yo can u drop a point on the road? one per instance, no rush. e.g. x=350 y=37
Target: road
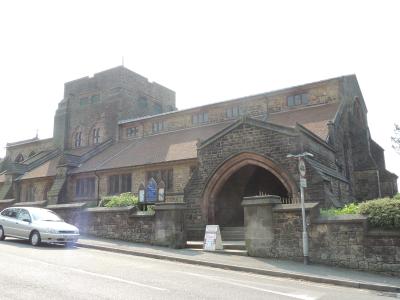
x=55 y=272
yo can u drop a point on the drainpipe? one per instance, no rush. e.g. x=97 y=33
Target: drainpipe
x=98 y=187
x=379 y=184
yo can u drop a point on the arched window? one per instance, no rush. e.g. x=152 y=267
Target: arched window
x=19 y=158
x=78 y=139
x=95 y=136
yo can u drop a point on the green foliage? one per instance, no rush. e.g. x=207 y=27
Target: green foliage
x=122 y=200
x=384 y=213
x=348 y=209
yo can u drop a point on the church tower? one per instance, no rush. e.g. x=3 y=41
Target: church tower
x=92 y=106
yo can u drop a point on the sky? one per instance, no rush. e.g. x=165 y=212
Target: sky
x=206 y=51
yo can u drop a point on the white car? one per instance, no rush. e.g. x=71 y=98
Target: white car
x=37 y=225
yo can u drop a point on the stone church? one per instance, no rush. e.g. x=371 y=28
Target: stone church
x=115 y=132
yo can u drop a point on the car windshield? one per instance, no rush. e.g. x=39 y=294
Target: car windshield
x=45 y=215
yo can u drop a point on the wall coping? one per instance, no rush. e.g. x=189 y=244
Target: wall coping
x=170 y=206
x=342 y=219
x=261 y=200
x=31 y=204
x=109 y=209
x=7 y=201
x=294 y=207
x=142 y=214
x=383 y=232
x=67 y=205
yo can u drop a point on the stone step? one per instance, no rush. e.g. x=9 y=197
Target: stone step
x=232 y=233
x=228 y=245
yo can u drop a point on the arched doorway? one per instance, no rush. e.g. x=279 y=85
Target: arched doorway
x=246 y=174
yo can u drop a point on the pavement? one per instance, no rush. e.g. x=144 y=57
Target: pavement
x=231 y=261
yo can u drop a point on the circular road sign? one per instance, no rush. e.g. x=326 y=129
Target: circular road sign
x=302 y=167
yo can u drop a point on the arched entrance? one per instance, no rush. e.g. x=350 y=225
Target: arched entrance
x=246 y=174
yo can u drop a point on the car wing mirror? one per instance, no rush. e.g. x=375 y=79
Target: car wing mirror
x=26 y=220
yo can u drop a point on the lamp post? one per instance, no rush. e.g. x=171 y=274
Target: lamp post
x=303 y=184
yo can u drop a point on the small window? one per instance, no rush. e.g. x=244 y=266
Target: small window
x=19 y=158
x=290 y=100
x=96 y=136
x=299 y=99
x=132 y=132
x=84 y=101
x=200 y=118
x=142 y=101
x=304 y=99
x=158 y=126
x=78 y=139
x=157 y=108
x=94 y=99
x=232 y=112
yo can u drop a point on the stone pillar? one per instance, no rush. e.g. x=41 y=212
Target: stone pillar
x=169 y=228
x=259 y=235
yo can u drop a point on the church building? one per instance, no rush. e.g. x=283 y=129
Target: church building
x=117 y=132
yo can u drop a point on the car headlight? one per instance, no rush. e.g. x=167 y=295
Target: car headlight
x=51 y=230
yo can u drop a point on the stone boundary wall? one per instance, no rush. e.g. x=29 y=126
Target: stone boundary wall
x=123 y=223
x=342 y=241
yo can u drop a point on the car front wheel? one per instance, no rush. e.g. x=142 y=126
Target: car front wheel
x=35 y=239
x=2 y=236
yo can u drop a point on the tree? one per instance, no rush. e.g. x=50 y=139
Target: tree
x=396 y=138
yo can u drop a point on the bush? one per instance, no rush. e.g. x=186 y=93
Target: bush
x=384 y=213
x=348 y=209
x=125 y=199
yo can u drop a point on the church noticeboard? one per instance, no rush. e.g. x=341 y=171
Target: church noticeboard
x=212 y=238
x=151 y=191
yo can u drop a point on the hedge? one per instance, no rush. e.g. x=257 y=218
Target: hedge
x=382 y=213
x=122 y=200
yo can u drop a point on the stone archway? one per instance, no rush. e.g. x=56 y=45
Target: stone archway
x=245 y=163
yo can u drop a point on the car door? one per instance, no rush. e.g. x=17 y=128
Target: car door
x=23 y=224
x=9 y=221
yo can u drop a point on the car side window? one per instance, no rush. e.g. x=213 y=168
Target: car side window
x=5 y=212
x=13 y=213
x=24 y=215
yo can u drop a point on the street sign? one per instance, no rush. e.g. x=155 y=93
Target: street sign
x=302 y=167
x=303 y=182
x=212 y=238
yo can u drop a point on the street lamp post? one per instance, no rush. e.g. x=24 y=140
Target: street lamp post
x=303 y=184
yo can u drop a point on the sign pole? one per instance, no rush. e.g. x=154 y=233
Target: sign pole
x=303 y=184
x=303 y=215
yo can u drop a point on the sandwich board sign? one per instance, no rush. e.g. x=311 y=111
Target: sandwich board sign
x=212 y=238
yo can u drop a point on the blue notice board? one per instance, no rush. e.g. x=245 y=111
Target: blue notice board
x=151 y=191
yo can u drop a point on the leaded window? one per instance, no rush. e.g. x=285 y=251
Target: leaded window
x=200 y=118
x=166 y=175
x=96 y=135
x=85 y=187
x=118 y=184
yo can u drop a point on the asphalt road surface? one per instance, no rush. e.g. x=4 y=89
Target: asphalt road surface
x=55 y=272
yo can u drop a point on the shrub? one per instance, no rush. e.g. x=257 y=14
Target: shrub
x=122 y=200
x=384 y=213
x=348 y=209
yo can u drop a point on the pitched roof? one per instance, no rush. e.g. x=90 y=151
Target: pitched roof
x=170 y=146
x=314 y=118
x=45 y=170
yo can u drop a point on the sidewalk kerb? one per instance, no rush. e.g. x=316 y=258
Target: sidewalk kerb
x=339 y=282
